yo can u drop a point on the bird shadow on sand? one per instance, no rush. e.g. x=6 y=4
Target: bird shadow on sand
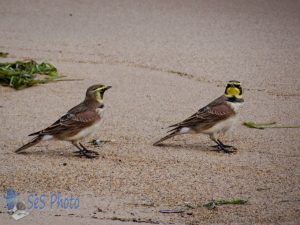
x=198 y=147
x=66 y=153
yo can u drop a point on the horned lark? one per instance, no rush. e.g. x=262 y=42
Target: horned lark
x=79 y=122
x=215 y=118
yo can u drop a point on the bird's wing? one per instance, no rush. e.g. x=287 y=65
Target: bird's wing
x=206 y=116
x=76 y=118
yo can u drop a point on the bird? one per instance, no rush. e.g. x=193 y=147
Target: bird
x=213 y=119
x=79 y=122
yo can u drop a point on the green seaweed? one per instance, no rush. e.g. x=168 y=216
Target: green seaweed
x=262 y=126
x=23 y=74
x=3 y=54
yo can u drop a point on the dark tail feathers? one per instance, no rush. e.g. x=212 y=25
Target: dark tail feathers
x=34 y=141
x=165 y=138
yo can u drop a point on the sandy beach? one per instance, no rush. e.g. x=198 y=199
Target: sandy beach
x=164 y=60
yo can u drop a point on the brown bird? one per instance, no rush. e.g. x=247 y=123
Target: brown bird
x=215 y=118
x=79 y=122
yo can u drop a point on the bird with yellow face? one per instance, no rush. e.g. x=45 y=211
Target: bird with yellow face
x=215 y=118
x=78 y=123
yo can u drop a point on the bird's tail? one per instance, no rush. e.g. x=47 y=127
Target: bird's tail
x=174 y=133
x=34 y=141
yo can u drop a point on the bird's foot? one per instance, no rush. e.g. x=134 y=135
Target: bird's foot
x=86 y=153
x=229 y=146
x=229 y=150
x=225 y=148
x=89 y=155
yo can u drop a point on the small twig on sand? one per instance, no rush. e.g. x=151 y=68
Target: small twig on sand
x=171 y=211
x=98 y=142
x=214 y=203
x=58 y=80
x=135 y=220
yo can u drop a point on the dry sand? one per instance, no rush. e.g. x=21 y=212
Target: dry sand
x=164 y=59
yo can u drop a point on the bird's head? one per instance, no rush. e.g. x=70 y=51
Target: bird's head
x=234 y=91
x=96 y=92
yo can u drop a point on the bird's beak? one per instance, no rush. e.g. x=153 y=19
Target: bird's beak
x=107 y=87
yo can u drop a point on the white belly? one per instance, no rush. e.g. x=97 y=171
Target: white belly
x=100 y=112
x=89 y=130
x=85 y=132
x=236 y=105
x=222 y=126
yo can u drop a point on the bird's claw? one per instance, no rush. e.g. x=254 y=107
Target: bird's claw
x=86 y=153
x=225 y=148
x=229 y=146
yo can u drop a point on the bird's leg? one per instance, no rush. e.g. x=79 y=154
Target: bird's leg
x=83 y=151
x=226 y=146
x=212 y=137
x=88 y=151
x=220 y=146
x=76 y=145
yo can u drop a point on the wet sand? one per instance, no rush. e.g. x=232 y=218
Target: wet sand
x=165 y=60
